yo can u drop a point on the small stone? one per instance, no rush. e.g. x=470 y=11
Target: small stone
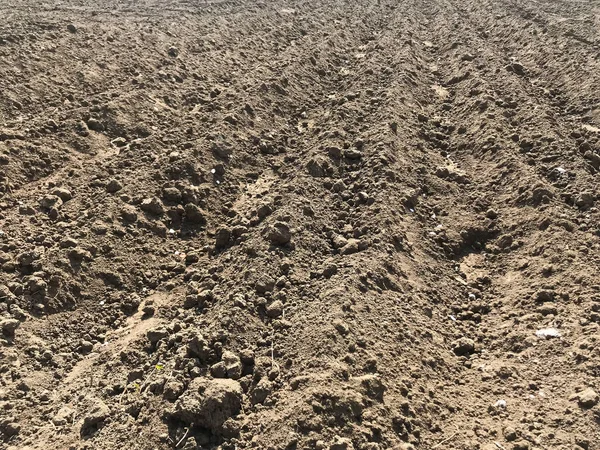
x=218 y=370
x=173 y=389
x=279 y=234
x=510 y=434
x=9 y=326
x=491 y=214
x=98 y=413
x=198 y=346
x=353 y=154
x=209 y=403
x=341 y=443
x=548 y=308
x=463 y=346
x=351 y=247
x=275 y=309
x=153 y=206
x=62 y=193
x=339 y=241
x=129 y=214
x=51 y=201
x=585 y=200
x=71 y=28
x=545 y=296
x=341 y=327
x=516 y=67
x=85 y=347
x=63 y=416
x=95 y=125
x=119 y=142
x=68 y=242
x=231 y=428
x=329 y=270
x=521 y=445
x=78 y=255
x=172 y=194
x=27 y=258
x=26 y=210
x=113 y=186
x=157 y=334
x=222 y=237
x=334 y=152
x=263 y=211
x=587 y=398
x=233 y=365
x=173 y=52
x=194 y=214
x=339 y=186
x=261 y=391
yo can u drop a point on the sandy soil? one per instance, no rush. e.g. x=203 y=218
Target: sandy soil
x=338 y=225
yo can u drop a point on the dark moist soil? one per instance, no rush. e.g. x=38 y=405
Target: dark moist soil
x=281 y=225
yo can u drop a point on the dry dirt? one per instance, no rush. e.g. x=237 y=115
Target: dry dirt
x=364 y=224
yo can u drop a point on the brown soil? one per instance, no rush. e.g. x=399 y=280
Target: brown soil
x=300 y=225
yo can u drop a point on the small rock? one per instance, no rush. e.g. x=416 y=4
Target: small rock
x=27 y=258
x=50 y=201
x=548 y=308
x=585 y=200
x=548 y=333
x=261 y=391
x=218 y=370
x=78 y=255
x=510 y=434
x=71 y=28
x=98 y=413
x=153 y=206
x=263 y=211
x=353 y=154
x=157 y=334
x=173 y=389
x=113 y=186
x=64 y=194
x=351 y=247
x=119 y=142
x=491 y=214
x=9 y=326
x=194 y=214
x=26 y=210
x=129 y=214
x=85 y=347
x=279 y=234
x=275 y=309
x=233 y=364
x=64 y=416
x=341 y=327
x=516 y=67
x=95 y=125
x=209 y=403
x=339 y=186
x=172 y=194
x=222 y=237
x=339 y=241
x=341 y=443
x=521 y=445
x=463 y=346
x=587 y=398
x=329 y=270
x=68 y=242
x=173 y=52
x=198 y=346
